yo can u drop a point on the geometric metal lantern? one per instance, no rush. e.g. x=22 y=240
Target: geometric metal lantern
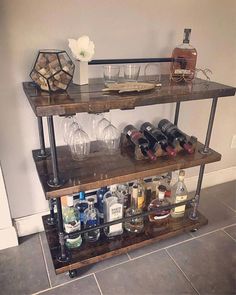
x=53 y=70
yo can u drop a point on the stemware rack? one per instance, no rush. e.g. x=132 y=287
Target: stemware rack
x=60 y=175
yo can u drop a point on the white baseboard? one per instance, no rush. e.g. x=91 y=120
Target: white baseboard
x=8 y=238
x=33 y=223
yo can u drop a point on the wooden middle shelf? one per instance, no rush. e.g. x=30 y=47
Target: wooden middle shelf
x=102 y=169
x=89 y=253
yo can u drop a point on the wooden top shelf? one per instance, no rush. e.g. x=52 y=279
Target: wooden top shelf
x=101 y=169
x=90 y=98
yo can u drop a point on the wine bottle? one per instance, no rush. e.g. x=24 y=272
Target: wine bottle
x=156 y=137
x=174 y=134
x=138 y=139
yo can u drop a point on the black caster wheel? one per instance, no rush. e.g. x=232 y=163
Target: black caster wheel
x=194 y=230
x=73 y=273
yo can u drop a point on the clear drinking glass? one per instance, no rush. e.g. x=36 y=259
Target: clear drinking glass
x=79 y=144
x=111 y=138
x=131 y=72
x=111 y=74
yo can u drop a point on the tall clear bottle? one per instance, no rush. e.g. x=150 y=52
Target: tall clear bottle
x=179 y=193
x=135 y=224
x=113 y=210
x=71 y=220
x=185 y=58
x=91 y=219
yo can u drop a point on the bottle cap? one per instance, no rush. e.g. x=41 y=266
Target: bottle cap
x=82 y=196
x=90 y=201
x=70 y=201
x=162 y=188
x=181 y=173
x=113 y=188
x=187 y=33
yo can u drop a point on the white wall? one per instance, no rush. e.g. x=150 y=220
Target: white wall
x=119 y=29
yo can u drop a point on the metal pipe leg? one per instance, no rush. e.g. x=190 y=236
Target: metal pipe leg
x=51 y=220
x=42 y=153
x=55 y=181
x=177 y=113
x=193 y=213
x=63 y=255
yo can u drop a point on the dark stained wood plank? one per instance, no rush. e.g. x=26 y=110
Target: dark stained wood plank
x=90 y=98
x=104 y=248
x=102 y=169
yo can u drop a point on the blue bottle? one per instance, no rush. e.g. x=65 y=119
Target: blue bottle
x=82 y=205
x=100 y=198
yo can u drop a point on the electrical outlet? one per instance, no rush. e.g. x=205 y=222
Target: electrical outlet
x=233 y=143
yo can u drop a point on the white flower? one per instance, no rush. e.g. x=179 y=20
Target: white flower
x=82 y=49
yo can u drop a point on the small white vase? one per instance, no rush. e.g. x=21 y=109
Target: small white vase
x=81 y=73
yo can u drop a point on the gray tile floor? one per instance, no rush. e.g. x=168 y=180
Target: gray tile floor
x=194 y=263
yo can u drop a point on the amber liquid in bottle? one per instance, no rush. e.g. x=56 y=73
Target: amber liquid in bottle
x=185 y=58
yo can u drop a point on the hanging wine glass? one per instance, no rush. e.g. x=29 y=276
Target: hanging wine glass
x=111 y=138
x=66 y=122
x=79 y=144
x=95 y=119
x=72 y=128
x=102 y=124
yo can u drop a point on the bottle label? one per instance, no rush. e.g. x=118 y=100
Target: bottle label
x=72 y=226
x=182 y=72
x=141 y=200
x=180 y=209
x=91 y=223
x=115 y=212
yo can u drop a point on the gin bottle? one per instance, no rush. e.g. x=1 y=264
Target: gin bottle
x=71 y=221
x=91 y=219
x=113 y=210
x=179 y=194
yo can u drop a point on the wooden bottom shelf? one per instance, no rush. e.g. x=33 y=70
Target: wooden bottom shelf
x=104 y=248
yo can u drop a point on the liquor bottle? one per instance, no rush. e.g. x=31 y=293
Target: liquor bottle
x=81 y=205
x=135 y=224
x=184 y=58
x=123 y=189
x=156 y=138
x=71 y=220
x=100 y=199
x=113 y=210
x=179 y=194
x=91 y=219
x=138 y=139
x=161 y=218
x=174 y=134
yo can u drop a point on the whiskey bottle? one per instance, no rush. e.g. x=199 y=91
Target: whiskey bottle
x=71 y=220
x=174 y=135
x=135 y=224
x=138 y=139
x=179 y=194
x=184 y=58
x=113 y=210
x=160 y=217
x=157 y=138
x=91 y=219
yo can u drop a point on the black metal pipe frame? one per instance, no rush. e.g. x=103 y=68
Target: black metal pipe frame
x=129 y=60
x=55 y=181
x=51 y=220
x=177 y=107
x=63 y=255
x=42 y=154
x=193 y=214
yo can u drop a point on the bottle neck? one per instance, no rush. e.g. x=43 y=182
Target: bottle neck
x=187 y=33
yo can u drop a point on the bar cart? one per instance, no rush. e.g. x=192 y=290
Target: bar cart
x=60 y=175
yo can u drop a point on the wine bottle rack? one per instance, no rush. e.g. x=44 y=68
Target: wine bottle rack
x=60 y=175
